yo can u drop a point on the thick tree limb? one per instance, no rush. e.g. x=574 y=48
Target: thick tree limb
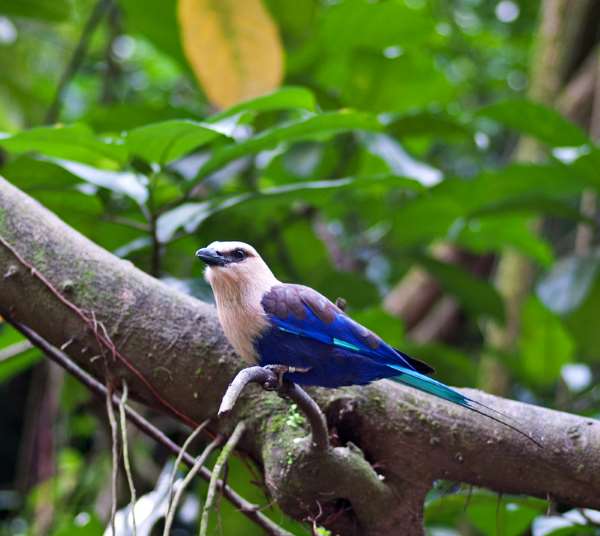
x=176 y=344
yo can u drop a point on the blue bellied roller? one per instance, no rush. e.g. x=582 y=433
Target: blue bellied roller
x=307 y=337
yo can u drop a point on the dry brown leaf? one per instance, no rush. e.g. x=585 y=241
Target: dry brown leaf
x=233 y=47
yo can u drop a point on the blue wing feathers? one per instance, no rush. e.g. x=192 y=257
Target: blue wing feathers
x=342 y=332
x=307 y=331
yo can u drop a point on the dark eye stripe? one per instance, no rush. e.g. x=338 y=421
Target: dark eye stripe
x=236 y=255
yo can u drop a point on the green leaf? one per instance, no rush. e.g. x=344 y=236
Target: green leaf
x=432 y=214
x=533 y=119
x=125 y=183
x=544 y=346
x=14 y=356
x=586 y=167
x=426 y=123
x=564 y=288
x=74 y=142
x=374 y=25
x=285 y=98
x=494 y=233
x=504 y=517
x=190 y=215
x=307 y=128
x=35 y=173
x=54 y=11
x=18 y=364
x=451 y=511
x=156 y=20
x=475 y=294
x=169 y=140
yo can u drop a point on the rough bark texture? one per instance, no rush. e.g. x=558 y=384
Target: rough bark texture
x=175 y=341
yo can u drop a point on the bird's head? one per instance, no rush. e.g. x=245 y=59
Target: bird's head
x=234 y=266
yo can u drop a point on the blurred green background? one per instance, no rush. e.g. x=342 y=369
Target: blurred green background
x=432 y=162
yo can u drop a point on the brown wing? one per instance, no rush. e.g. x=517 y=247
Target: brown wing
x=289 y=299
x=288 y=302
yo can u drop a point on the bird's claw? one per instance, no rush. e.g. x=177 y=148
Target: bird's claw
x=280 y=370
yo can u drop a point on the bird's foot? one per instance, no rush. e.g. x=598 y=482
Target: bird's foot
x=279 y=371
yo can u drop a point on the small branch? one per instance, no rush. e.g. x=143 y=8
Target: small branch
x=110 y=410
x=221 y=460
x=77 y=58
x=182 y=451
x=188 y=478
x=250 y=510
x=267 y=378
x=269 y=381
x=14 y=350
x=126 y=463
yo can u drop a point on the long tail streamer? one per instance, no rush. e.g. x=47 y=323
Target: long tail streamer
x=436 y=388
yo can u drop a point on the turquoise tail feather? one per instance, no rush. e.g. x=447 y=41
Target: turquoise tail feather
x=436 y=388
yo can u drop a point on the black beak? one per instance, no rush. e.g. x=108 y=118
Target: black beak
x=210 y=257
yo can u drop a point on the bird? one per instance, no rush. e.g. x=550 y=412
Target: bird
x=306 y=338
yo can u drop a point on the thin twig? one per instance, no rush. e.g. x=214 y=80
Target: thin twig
x=250 y=510
x=14 y=350
x=188 y=478
x=110 y=410
x=77 y=58
x=212 y=486
x=268 y=379
x=127 y=465
x=265 y=377
x=183 y=450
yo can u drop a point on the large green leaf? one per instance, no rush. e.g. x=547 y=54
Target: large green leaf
x=374 y=25
x=54 y=11
x=367 y=80
x=189 y=216
x=476 y=295
x=502 y=516
x=310 y=127
x=513 y=513
x=156 y=20
x=18 y=364
x=285 y=98
x=74 y=142
x=536 y=120
x=35 y=173
x=544 y=346
x=121 y=182
x=496 y=232
x=427 y=123
x=433 y=214
x=169 y=140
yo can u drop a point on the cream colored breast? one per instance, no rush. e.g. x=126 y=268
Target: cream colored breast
x=242 y=325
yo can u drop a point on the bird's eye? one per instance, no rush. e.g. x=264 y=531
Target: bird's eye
x=238 y=254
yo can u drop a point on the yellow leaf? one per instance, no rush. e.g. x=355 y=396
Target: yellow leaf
x=233 y=47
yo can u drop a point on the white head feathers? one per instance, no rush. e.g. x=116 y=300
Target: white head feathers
x=239 y=279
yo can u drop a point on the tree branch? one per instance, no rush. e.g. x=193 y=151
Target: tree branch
x=268 y=379
x=176 y=344
x=60 y=358
x=77 y=58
